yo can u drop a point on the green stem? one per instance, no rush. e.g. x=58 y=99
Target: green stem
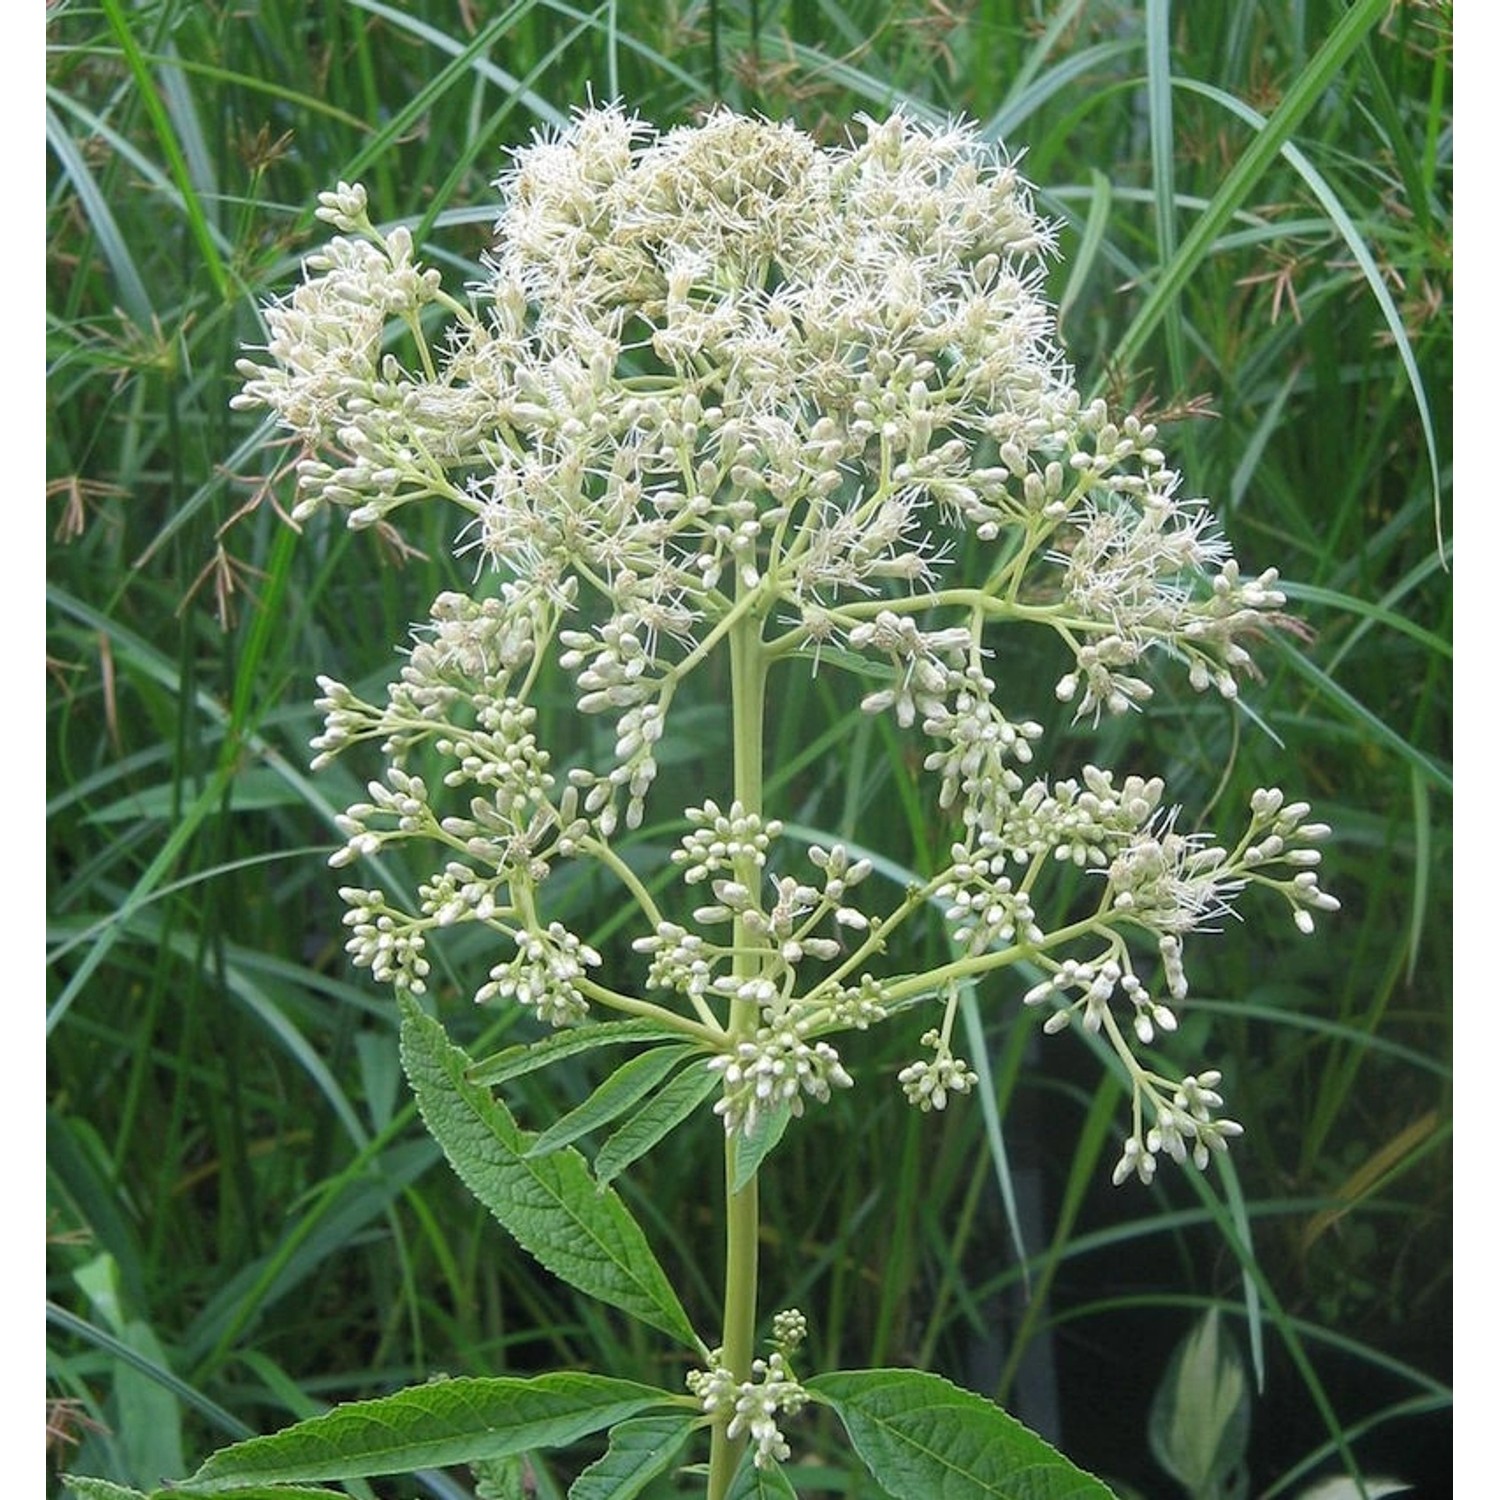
x=742 y=1209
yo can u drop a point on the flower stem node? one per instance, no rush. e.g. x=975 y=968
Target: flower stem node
x=752 y=1405
x=776 y=1067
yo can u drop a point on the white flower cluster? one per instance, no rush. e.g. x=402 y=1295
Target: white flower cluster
x=385 y=941
x=772 y=1391
x=1184 y=1123
x=928 y=1084
x=1279 y=841
x=722 y=841
x=1165 y=885
x=544 y=974
x=727 y=359
x=776 y=1066
x=778 y=920
x=726 y=384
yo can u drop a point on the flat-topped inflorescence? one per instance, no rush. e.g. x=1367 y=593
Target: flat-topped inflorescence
x=726 y=389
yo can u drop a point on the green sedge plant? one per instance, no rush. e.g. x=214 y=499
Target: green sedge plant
x=726 y=406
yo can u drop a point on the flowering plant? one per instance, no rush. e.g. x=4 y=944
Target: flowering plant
x=728 y=396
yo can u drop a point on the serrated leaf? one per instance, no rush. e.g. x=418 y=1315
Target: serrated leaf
x=426 y=1427
x=499 y=1478
x=638 y=1451
x=918 y=1434
x=516 y=1062
x=1199 y=1427
x=750 y=1483
x=184 y=1491
x=551 y=1206
x=262 y=1492
x=85 y=1487
x=758 y=1143
x=627 y=1085
x=655 y=1120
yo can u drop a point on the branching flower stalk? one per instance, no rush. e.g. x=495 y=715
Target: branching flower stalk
x=724 y=391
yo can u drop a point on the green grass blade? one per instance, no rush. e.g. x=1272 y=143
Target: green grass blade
x=1370 y=723
x=1025 y=102
x=1354 y=241
x=1299 y=99
x=402 y=20
x=1159 y=80
x=133 y=294
x=1089 y=245
x=171 y=148
x=90 y=1333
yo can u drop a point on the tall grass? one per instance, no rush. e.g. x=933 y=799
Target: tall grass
x=244 y=1220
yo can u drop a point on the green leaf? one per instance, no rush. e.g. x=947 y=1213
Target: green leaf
x=1304 y=93
x=259 y=1492
x=551 y=1205
x=1341 y=1487
x=638 y=1451
x=500 y=1478
x=263 y=1492
x=428 y=1426
x=1199 y=1426
x=146 y=1409
x=751 y=1483
x=514 y=1062
x=758 y=1143
x=99 y=1489
x=920 y=1435
x=656 y=1119
x=627 y=1085
x=103 y=1489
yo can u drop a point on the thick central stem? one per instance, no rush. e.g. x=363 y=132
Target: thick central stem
x=747 y=665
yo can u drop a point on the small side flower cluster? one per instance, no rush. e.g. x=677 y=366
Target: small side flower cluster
x=724 y=388
x=1183 y=1122
x=784 y=936
x=1164 y=885
x=928 y=1084
x=755 y=1404
x=544 y=974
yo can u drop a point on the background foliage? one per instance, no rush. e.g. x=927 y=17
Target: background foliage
x=245 y=1221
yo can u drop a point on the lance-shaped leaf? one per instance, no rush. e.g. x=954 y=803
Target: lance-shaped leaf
x=428 y=1426
x=759 y=1142
x=85 y=1488
x=657 y=1118
x=550 y=1204
x=751 y=1483
x=102 y=1489
x=638 y=1451
x=515 y=1062
x=1199 y=1427
x=627 y=1085
x=920 y=1435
